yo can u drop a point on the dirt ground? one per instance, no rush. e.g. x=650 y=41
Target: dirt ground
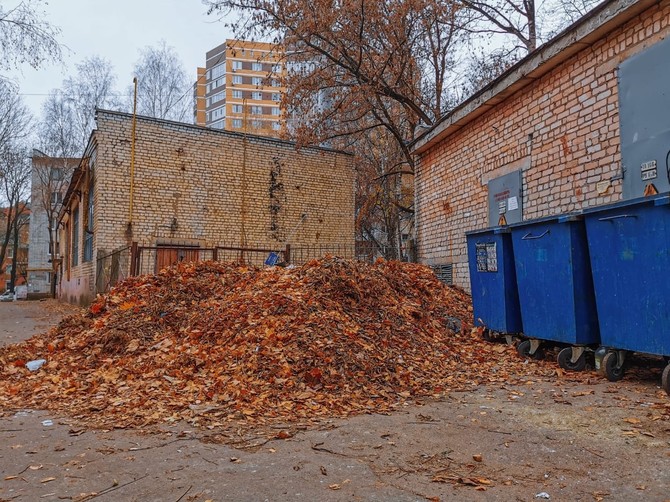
x=547 y=439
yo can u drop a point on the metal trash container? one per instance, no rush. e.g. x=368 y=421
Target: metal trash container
x=629 y=244
x=556 y=295
x=495 y=299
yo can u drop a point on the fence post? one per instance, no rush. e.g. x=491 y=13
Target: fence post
x=215 y=254
x=287 y=254
x=133 y=258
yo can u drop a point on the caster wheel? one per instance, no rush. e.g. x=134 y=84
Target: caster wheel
x=609 y=367
x=524 y=350
x=564 y=360
x=665 y=379
x=486 y=335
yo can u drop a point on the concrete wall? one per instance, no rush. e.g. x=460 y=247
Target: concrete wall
x=208 y=187
x=561 y=131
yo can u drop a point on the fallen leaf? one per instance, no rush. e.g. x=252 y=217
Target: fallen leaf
x=46 y=480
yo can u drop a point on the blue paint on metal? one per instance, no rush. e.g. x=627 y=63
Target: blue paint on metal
x=553 y=274
x=629 y=244
x=495 y=298
x=272 y=259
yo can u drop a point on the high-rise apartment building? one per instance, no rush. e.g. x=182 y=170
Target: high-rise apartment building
x=242 y=88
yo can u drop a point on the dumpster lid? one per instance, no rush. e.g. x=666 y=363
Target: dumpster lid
x=556 y=218
x=489 y=230
x=654 y=200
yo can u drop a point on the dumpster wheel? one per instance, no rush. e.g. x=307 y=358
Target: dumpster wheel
x=564 y=360
x=612 y=371
x=665 y=379
x=524 y=349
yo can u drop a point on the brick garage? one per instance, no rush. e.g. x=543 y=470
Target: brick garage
x=553 y=116
x=198 y=186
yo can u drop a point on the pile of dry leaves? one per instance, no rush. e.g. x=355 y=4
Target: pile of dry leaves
x=213 y=343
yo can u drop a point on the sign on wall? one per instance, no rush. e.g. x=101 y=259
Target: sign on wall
x=505 y=199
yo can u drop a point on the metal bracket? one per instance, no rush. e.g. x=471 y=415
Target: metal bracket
x=577 y=353
x=534 y=343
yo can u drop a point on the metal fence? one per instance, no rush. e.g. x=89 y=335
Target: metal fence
x=138 y=260
x=111 y=269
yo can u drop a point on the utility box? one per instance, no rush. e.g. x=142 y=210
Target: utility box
x=644 y=117
x=505 y=201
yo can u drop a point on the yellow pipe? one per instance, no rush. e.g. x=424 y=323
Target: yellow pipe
x=132 y=159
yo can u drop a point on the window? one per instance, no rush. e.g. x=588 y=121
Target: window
x=219 y=82
x=257 y=66
x=276 y=96
x=257 y=110
x=88 y=231
x=217 y=97
x=56 y=197
x=237 y=108
x=218 y=125
x=56 y=174
x=257 y=124
x=275 y=112
x=276 y=68
x=258 y=96
x=276 y=126
x=237 y=79
x=75 y=237
x=237 y=94
x=209 y=87
x=275 y=82
x=218 y=71
x=237 y=123
x=237 y=65
x=218 y=113
x=256 y=80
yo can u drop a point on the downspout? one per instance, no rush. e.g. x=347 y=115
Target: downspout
x=129 y=229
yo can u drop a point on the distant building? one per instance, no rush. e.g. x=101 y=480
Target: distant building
x=9 y=265
x=49 y=181
x=242 y=88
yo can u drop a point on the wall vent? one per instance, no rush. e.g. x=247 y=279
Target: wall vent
x=445 y=273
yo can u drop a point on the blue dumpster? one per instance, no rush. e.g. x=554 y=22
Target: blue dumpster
x=556 y=294
x=495 y=298
x=629 y=244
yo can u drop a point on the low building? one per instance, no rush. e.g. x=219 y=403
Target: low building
x=195 y=187
x=581 y=121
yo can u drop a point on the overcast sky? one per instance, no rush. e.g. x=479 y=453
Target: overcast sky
x=117 y=30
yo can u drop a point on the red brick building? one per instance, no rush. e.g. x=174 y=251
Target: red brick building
x=21 y=251
x=552 y=121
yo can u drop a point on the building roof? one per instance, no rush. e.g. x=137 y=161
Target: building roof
x=184 y=125
x=606 y=17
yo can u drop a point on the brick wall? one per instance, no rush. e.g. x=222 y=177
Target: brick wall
x=561 y=131
x=200 y=186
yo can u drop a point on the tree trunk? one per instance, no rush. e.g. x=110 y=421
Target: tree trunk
x=15 y=257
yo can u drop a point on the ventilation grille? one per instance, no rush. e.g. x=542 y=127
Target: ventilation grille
x=445 y=273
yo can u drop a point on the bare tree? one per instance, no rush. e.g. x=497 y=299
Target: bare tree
x=164 y=90
x=50 y=180
x=56 y=131
x=15 y=185
x=92 y=87
x=361 y=71
x=25 y=37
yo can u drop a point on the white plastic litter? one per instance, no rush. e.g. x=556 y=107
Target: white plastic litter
x=542 y=495
x=36 y=364
x=47 y=423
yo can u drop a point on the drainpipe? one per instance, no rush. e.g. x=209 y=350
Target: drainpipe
x=129 y=230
